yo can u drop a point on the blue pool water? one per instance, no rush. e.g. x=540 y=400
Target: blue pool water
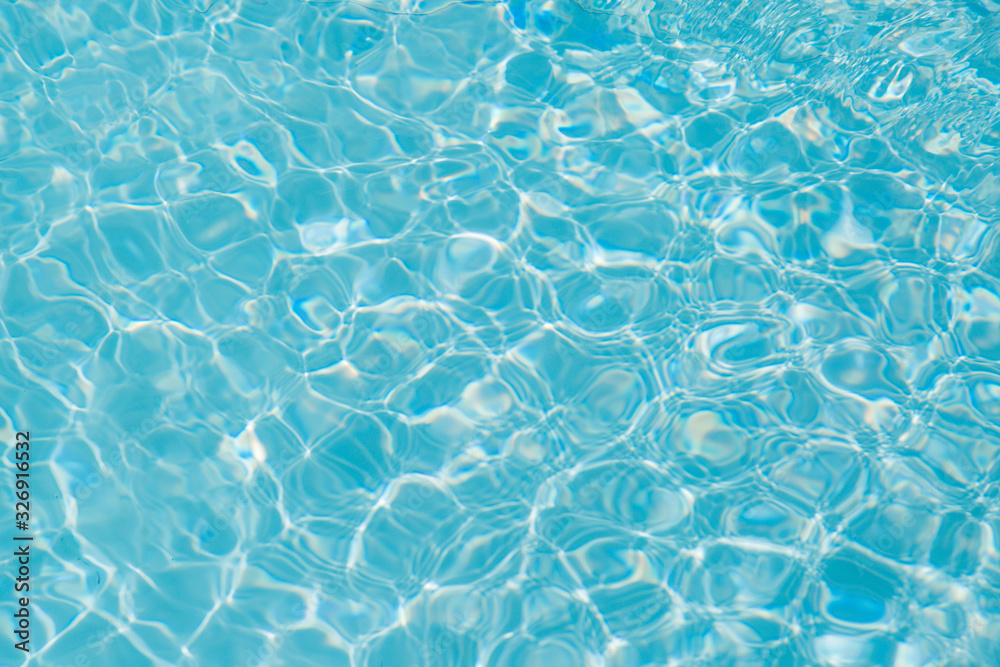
x=517 y=334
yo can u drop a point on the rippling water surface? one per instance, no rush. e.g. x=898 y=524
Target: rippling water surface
x=520 y=334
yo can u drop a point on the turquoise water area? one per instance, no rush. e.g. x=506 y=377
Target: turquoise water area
x=549 y=333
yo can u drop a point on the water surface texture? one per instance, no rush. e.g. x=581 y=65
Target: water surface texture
x=524 y=334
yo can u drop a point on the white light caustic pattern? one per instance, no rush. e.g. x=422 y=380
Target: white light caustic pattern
x=521 y=333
